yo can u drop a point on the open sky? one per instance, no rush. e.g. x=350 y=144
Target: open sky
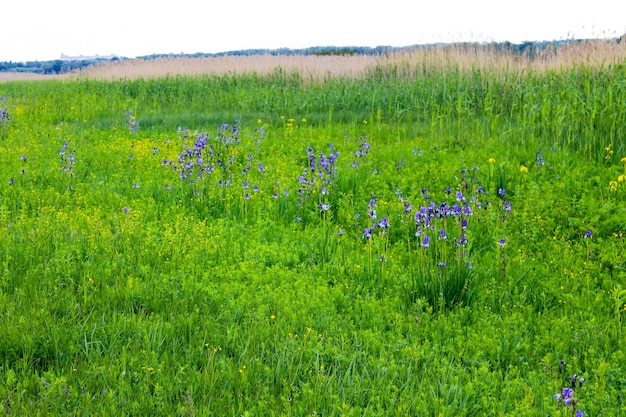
x=45 y=29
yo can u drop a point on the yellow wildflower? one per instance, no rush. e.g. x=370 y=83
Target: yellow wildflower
x=621 y=178
x=523 y=169
x=492 y=161
x=612 y=186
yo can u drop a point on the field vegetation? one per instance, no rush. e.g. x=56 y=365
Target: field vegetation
x=436 y=233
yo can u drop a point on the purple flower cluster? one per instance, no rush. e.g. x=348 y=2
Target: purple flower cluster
x=131 y=121
x=5 y=116
x=198 y=159
x=382 y=225
x=567 y=395
x=258 y=137
x=362 y=151
x=320 y=175
x=435 y=216
x=67 y=159
x=229 y=134
x=539 y=161
x=206 y=156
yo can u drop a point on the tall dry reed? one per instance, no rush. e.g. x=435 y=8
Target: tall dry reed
x=468 y=56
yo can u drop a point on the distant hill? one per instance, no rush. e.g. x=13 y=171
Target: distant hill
x=68 y=64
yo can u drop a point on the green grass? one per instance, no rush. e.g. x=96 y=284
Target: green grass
x=128 y=290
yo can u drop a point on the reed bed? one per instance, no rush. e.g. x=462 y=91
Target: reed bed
x=28 y=76
x=466 y=57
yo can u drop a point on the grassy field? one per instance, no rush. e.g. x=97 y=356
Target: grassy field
x=432 y=234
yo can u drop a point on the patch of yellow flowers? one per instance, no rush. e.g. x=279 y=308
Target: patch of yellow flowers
x=622 y=178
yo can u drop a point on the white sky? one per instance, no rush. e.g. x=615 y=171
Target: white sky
x=45 y=29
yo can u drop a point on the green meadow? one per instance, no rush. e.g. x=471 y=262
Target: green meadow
x=419 y=240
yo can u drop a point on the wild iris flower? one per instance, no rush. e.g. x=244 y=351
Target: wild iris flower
x=324 y=207
x=383 y=224
x=565 y=395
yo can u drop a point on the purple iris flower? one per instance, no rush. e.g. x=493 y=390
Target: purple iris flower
x=324 y=206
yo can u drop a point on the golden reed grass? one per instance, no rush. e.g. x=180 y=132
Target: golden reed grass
x=464 y=57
